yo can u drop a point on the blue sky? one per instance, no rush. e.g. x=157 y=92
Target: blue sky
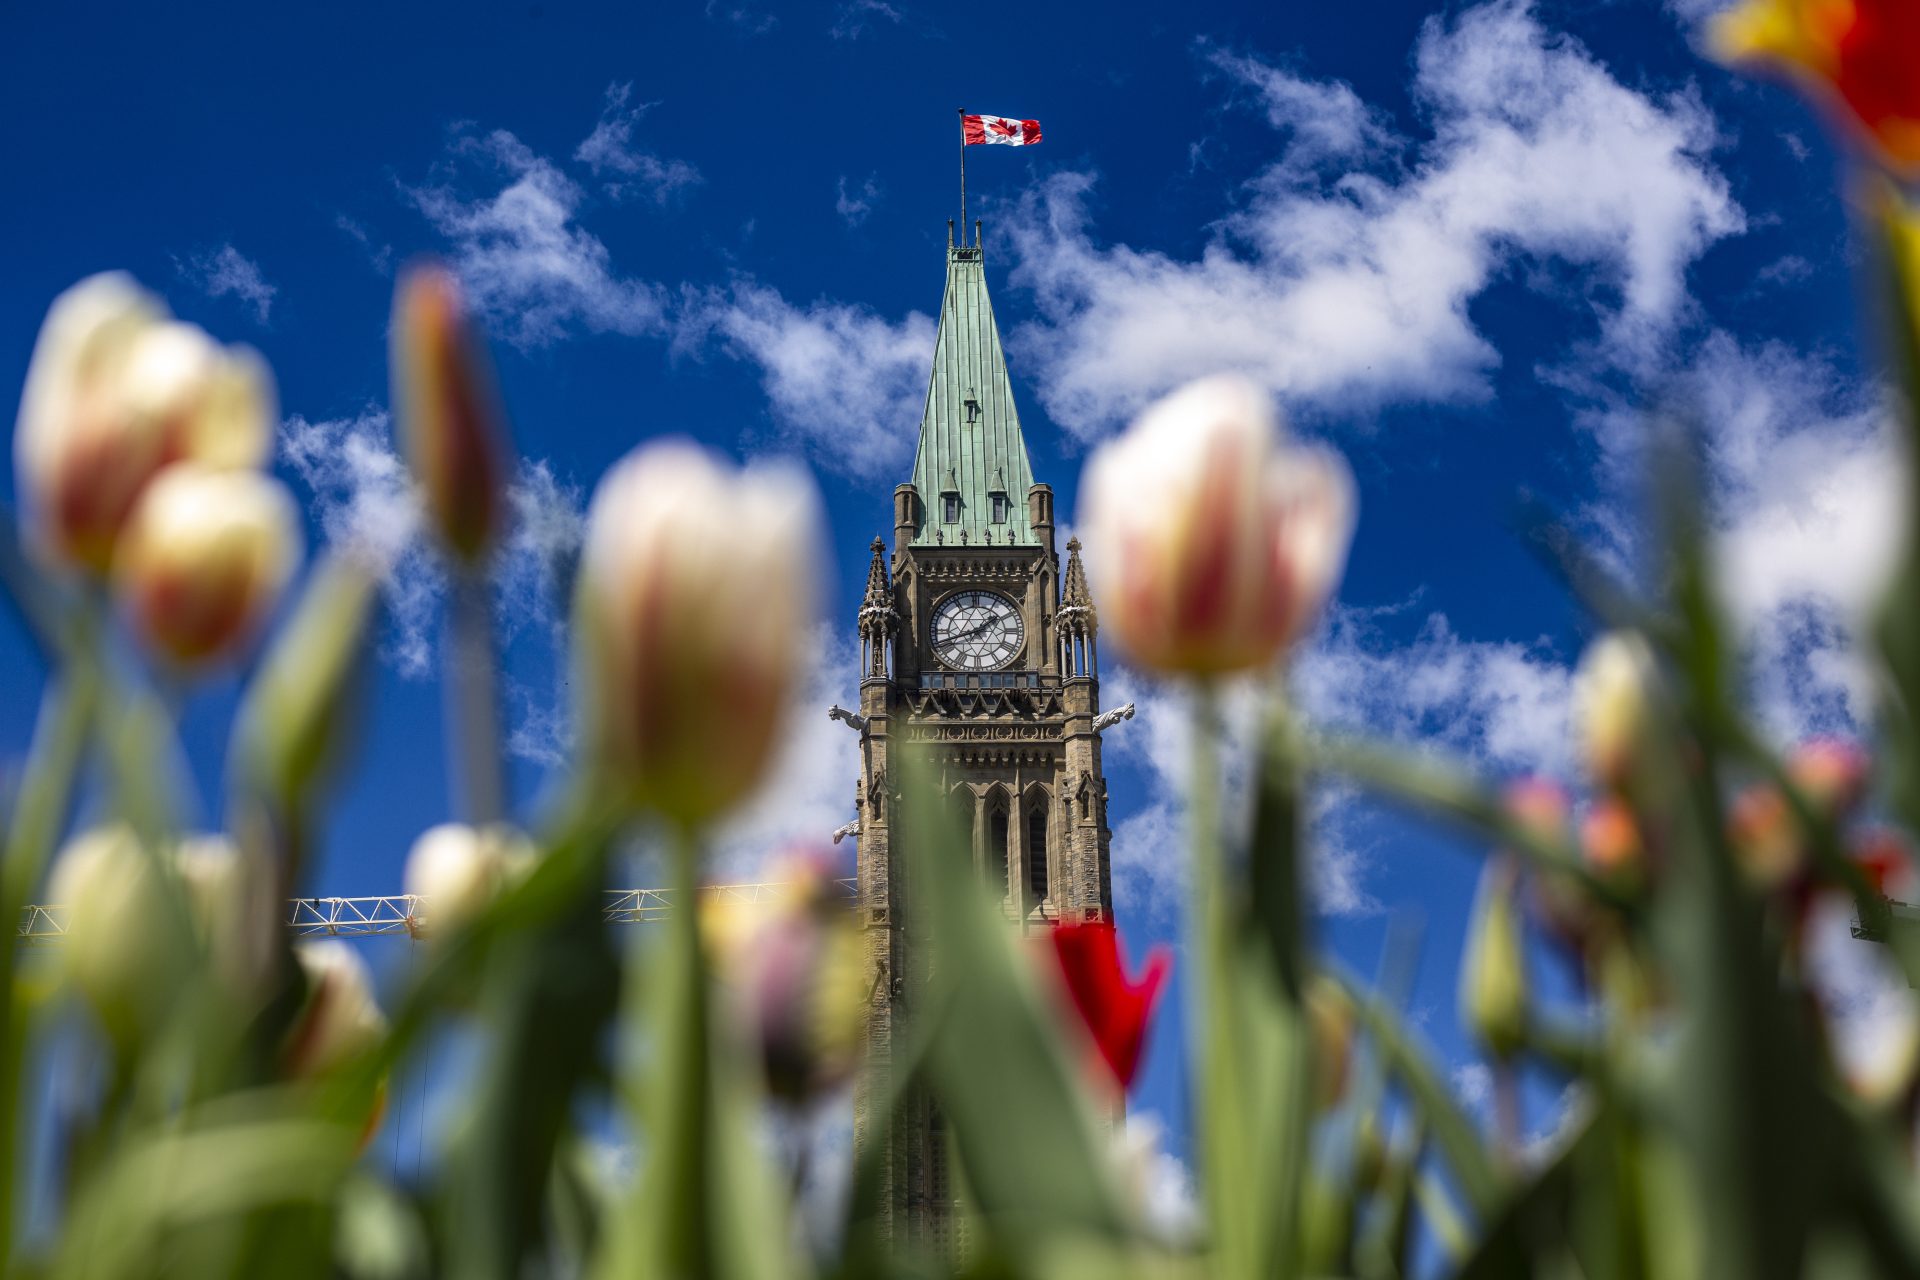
x=1462 y=247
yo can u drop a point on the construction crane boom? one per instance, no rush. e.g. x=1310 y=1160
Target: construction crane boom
x=407 y=913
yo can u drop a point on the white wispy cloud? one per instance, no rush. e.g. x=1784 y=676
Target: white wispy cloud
x=743 y=18
x=363 y=496
x=810 y=788
x=1803 y=480
x=1349 y=286
x=842 y=381
x=226 y=272
x=855 y=17
x=379 y=256
x=1323 y=120
x=1501 y=704
x=529 y=266
x=854 y=206
x=626 y=168
x=1150 y=842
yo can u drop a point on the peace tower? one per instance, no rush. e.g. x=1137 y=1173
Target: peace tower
x=978 y=650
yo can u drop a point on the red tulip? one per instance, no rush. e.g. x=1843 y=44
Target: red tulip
x=1115 y=1009
x=1864 y=53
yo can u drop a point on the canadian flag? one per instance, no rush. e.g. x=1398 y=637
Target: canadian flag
x=999 y=130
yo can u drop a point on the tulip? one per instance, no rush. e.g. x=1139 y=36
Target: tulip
x=1833 y=775
x=1218 y=544
x=693 y=619
x=1115 y=1009
x=1493 y=972
x=1612 y=708
x=1765 y=838
x=447 y=410
x=1886 y=861
x=204 y=559
x=458 y=870
x=795 y=972
x=341 y=1021
x=1862 y=54
x=1610 y=844
x=231 y=897
x=115 y=392
x=1539 y=807
x=116 y=951
x=1330 y=1015
x=1542 y=809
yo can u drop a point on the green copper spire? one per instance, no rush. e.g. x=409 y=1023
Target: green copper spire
x=972 y=462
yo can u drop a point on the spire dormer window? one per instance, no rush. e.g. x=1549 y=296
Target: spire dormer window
x=997 y=497
x=950 y=499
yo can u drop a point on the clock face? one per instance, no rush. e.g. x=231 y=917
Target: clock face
x=977 y=631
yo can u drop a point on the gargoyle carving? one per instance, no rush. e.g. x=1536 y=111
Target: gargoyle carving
x=841 y=833
x=1108 y=718
x=855 y=721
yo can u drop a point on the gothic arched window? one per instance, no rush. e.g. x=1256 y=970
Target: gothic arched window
x=959 y=824
x=1037 y=852
x=997 y=848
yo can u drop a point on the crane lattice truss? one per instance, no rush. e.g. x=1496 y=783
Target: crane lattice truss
x=407 y=913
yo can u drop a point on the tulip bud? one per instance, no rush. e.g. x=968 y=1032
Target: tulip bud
x=1765 y=838
x=114 y=393
x=447 y=409
x=693 y=620
x=1330 y=1016
x=1611 y=705
x=457 y=870
x=1216 y=545
x=795 y=972
x=1115 y=1009
x=341 y=1021
x=1493 y=973
x=1542 y=809
x=1610 y=844
x=1832 y=774
x=1884 y=858
x=1859 y=54
x=116 y=951
x=231 y=896
x=204 y=559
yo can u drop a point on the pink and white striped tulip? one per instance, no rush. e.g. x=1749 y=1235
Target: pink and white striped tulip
x=115 y=392
x=1215 y=544
x=693 y=621
x=203 y=560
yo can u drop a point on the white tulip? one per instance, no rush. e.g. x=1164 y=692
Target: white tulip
x=695 y=577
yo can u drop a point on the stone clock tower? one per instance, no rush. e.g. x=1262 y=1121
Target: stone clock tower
x=977 y=648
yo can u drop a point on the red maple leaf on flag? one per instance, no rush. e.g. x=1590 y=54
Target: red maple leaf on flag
x=1006 y=128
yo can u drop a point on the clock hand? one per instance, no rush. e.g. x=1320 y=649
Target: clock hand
x=970 y=633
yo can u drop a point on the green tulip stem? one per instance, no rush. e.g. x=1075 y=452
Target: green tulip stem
x=53 y=764
x=472 y=700
x=1508 y=1127
x=1225 y=1160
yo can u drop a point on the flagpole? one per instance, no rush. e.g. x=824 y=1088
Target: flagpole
x=963 y=175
